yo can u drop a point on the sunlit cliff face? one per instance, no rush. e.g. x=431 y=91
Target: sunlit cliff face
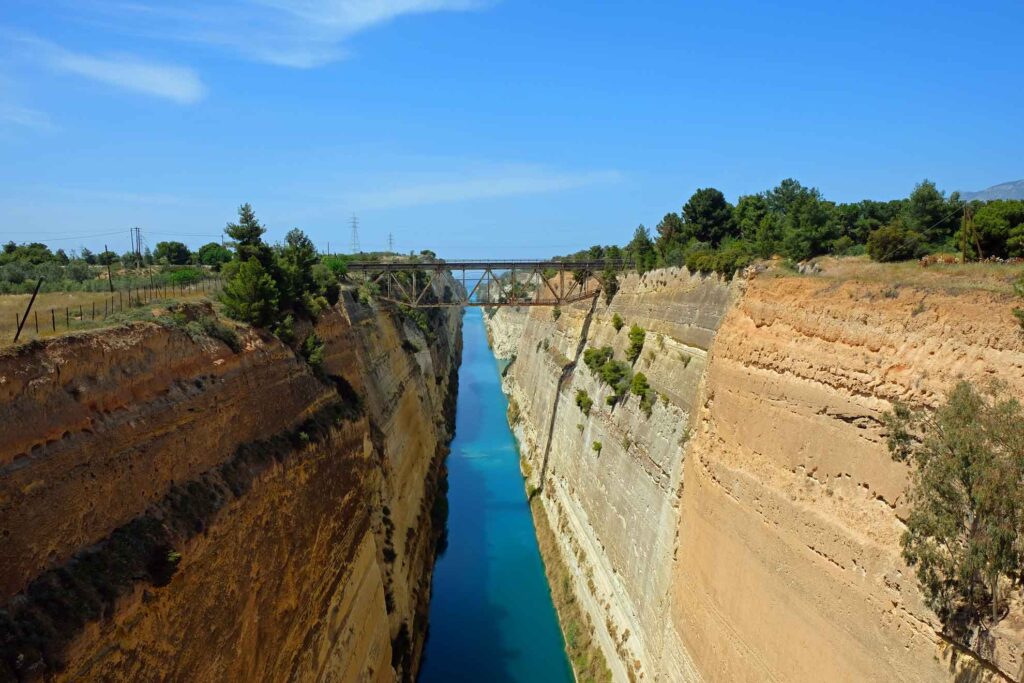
x=757 y=509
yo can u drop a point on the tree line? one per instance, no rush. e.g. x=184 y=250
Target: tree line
x=798 y=223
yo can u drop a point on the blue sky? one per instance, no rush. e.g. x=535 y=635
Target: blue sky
x=507 y=128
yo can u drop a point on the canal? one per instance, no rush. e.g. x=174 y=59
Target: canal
x=491 y=617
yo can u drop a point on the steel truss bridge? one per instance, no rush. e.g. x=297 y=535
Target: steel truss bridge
x=483 y=282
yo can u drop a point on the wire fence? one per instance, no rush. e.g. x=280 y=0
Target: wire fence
x=89 y=310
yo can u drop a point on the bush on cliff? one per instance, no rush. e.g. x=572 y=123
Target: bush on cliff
x=636 y=343
x=965 y=530
x=583 y=401
x=617 y=322
x=641 y=388
x=595 y=358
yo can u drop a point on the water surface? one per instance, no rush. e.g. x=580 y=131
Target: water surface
x=491 y=617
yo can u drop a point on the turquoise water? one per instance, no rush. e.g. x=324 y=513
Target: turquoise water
x=491 y=617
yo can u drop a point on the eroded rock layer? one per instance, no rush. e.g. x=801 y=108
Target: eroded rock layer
x=174 y=509
x=748 y=528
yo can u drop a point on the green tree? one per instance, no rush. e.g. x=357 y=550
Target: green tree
x=88 y=256
x=808 y=227
x=997 y=223
x=750 y=210
x=641 y=250
x=636 y=342
x=927 y=213
x=251 y=295
x=672 y=237
x=175 y=253
x=213 y=254
x=247 y=234
x=709 y=217
x=295 y=261
x=965 y=529
x=894 y=242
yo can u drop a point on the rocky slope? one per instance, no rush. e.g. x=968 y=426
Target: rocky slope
x=173 y=508
x=748 y=529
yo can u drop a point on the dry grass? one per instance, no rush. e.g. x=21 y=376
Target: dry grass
x=73 y=311
x=952 y=278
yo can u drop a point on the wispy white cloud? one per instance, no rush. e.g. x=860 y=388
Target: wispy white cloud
x=16 y=115
x=293 y=33
x=491 y=185
x=175 y=83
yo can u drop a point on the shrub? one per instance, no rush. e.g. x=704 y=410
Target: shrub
x=639 y=385
x=583 y=401
x=641 y=388
x=636 y=343
x=185 y=276
x=617 y=322
x=556 y=313
x=610 y=285
x=285 y=329
x=964 y=533
x=727 y=259
x=894 y=242
x=313 y=352
x=595 y=358
x=596 y=447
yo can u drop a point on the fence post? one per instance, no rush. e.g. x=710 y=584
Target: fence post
x=93 y=310
x=53 y=319
x=37 y=323
x=67 y=318
x=120 y=300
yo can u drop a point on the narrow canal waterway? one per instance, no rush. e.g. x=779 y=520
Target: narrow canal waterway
x=491 y=617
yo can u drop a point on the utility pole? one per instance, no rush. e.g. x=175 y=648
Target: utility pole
x=969 y=235
x=355 y=235
x=110 y=278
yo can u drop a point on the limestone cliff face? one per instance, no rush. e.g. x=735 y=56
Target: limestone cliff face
x=174 y=509
x=749 y=528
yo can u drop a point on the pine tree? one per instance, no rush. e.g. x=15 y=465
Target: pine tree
x=251 y=295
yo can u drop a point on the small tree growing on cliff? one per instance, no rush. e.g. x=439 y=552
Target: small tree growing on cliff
x=636 y=342
x=965 y=530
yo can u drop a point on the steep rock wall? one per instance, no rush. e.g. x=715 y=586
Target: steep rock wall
x=615 y=510
x=174 y=509
x=749 y=528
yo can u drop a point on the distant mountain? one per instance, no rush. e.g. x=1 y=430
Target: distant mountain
x=1011 y=190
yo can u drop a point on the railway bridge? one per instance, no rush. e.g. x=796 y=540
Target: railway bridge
x=484 y=282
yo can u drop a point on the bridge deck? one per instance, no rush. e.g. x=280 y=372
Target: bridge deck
x=485 y=264
x=498 y=282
